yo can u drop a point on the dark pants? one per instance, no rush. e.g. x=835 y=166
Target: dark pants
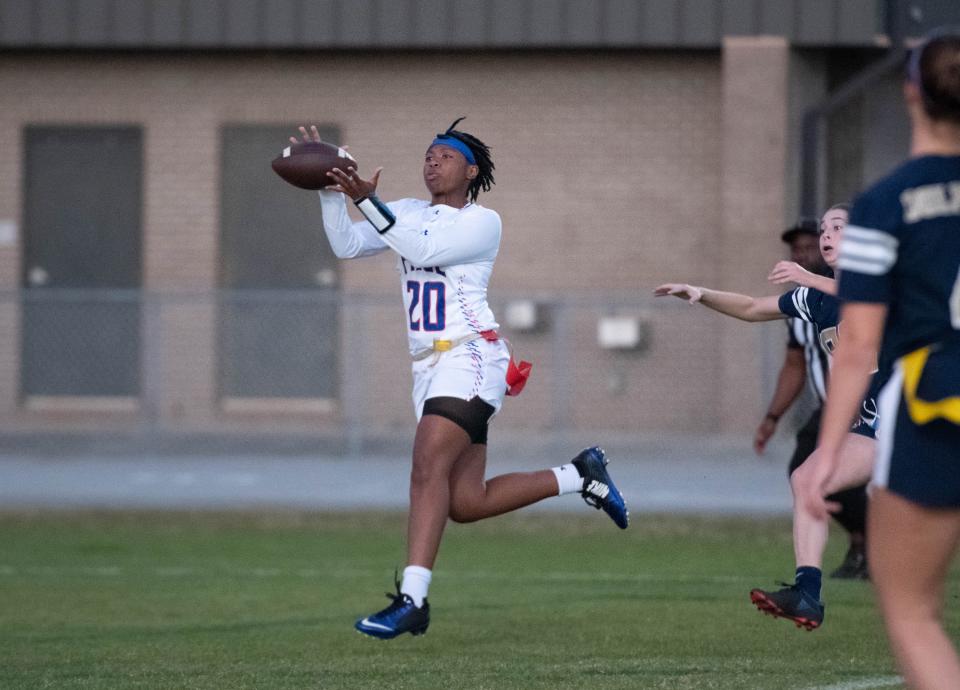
x=853 y=502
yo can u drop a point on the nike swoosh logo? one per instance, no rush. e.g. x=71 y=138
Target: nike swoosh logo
x=370 y=624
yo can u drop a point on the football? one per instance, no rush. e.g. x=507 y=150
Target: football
x=306 y=164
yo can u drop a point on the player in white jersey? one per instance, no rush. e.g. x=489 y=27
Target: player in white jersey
x=446 y=248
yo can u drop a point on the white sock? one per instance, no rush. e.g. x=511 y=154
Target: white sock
x=569 y=480
x=416 y=582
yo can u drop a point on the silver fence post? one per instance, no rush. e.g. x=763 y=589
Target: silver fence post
x=152 y=365
x=354 y=385
x=560 y=363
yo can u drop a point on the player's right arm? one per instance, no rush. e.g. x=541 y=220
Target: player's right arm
x=348 y=240
x=792 y=272
x=733 y=304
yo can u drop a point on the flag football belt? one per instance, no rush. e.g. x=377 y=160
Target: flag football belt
x=925 y=411
x=517 y=373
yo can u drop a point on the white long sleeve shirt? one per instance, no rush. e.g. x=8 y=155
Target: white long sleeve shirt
x=445 y=259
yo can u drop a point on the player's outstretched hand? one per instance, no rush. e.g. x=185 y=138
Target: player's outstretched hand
x=351 y=184
x=691 y=293
x=346 y=181
x=790 y=272
x=313 y=136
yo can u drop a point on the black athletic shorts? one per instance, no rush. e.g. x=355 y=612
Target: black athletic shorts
x=473 y=416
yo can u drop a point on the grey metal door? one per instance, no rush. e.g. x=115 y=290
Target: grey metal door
x=279 y=325
x=81 y=271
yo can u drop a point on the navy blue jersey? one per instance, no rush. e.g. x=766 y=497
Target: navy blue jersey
x=818 y=308
x=823 y=311
x=803 y=336
x=902 y=248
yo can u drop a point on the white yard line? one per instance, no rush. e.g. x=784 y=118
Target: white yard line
x=863 y=684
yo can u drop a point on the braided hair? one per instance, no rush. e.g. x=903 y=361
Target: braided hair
x=481 y=153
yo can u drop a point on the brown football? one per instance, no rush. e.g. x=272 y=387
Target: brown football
x=306 y=164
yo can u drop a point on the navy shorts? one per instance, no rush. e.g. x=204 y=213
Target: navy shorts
x=920 y=462
x=862 y=428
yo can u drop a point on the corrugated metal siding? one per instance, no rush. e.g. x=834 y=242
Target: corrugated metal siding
x=225 y=24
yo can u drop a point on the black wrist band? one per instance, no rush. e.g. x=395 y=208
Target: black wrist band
x=773 y=417
x=375 y=211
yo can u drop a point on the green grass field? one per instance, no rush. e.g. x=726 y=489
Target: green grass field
x=199 y=600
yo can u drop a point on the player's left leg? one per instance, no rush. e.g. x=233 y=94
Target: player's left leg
x=438 y=443
x=853 y=506
x=911 y=548
x=809 y=531
x=800 y=602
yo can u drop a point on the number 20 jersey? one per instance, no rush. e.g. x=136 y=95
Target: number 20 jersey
x=445 y=260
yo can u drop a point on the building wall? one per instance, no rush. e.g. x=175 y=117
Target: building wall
x=499 y=24
x=615 y=172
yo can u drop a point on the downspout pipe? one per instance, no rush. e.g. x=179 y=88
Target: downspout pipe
x=816 y=115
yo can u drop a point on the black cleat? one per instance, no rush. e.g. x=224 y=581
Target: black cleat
x=791 y=603
x=599 y=490
x=854 y=566
x=401 y=616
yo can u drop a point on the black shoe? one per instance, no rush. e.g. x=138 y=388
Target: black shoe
x=791 y=603
x=854 y=566
x=401 y=616
x=599 y=490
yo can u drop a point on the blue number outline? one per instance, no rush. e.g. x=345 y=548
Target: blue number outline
x=432 y=292
x=439 y=289
x=414 y=287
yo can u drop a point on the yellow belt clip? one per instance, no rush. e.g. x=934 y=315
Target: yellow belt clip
x=442 y=345
x=924 y=411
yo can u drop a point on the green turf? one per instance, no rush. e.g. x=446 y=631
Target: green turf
x=134 y=600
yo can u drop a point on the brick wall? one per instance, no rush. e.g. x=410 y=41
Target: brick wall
x=610 y=179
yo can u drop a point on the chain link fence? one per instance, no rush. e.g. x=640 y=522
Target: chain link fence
x=321 y=363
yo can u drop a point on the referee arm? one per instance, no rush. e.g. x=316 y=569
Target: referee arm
x=790 y=383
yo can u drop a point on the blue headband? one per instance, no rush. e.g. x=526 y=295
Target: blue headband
x=454 y=143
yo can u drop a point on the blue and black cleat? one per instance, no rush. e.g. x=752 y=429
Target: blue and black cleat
x=599 y=490
x=401 y=616
x=791 y=603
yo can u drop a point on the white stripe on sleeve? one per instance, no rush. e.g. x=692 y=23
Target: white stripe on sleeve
x=863 y=250
x=869 y=236
x=800 y=302
x=870 y=268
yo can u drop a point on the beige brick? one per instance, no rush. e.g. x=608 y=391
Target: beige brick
x=615 y=172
